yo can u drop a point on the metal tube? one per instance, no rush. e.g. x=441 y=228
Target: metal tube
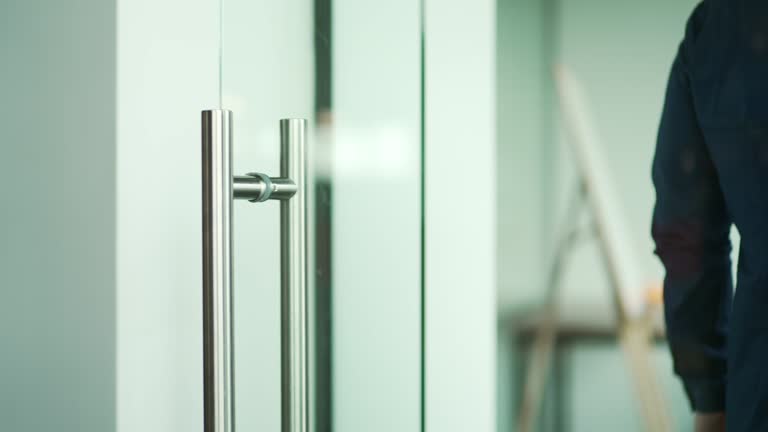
x=250 y=187
x=293 y=232
x=217 y=271
x=257 y=187
x=283 y=189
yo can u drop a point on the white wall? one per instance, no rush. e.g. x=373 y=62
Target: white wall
x=167 y=72
x=57 y=295
x=460 y=178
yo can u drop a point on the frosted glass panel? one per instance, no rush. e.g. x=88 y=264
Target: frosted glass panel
x=267 y=74
x=353 y=68
x=376 y=216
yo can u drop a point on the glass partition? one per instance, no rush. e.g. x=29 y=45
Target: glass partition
x=353 y=68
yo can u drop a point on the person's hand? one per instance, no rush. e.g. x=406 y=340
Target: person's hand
x=710 y=422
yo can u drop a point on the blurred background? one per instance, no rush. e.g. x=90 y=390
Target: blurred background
x=620 y=52
x=426 y=288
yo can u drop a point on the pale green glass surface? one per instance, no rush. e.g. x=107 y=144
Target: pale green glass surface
x=357 y=77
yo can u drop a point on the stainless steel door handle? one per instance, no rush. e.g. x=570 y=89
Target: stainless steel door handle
x=220 y=188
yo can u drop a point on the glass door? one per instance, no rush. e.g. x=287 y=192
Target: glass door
x=352 y=68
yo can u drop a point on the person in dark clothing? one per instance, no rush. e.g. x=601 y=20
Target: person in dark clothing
x=711 y=171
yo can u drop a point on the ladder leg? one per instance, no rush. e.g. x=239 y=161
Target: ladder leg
x=539 y=366
x=635 y=341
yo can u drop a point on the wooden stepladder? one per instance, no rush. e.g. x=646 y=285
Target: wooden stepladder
x=634 y=330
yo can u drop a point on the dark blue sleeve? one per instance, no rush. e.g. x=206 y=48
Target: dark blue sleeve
x=691 y=229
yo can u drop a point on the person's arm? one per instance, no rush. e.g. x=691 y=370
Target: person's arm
x=691 y=228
